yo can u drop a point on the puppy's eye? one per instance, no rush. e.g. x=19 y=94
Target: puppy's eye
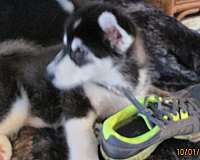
x=83 y=52
x=80 y=56
x=80 y=53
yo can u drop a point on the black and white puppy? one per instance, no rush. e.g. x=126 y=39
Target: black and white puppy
x=104 y=45
x=101 y=46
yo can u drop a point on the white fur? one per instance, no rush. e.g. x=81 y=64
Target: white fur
x=5 y=148
x=107 y=103
x=9 y=47
x=140 y=56
x=81 y=139
x=67 y=5
x=76 y=43
x=104 y=102
x=65 y=40
x=52 y=65
x=17 y=117
x=144 y=83
x=68 y=75
x=77 y=23
x=106 y=21
x=36 y=122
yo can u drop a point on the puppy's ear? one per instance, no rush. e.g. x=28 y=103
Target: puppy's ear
x=67 y=5
x=118 y=37
x=70 y=6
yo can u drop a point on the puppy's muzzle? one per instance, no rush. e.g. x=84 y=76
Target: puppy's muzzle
x=49 y=76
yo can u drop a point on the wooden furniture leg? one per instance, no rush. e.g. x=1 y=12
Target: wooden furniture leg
x=169 y=7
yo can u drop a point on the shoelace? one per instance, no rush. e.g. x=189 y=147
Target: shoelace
x=156 y=111
x=126 y=92
x=167 y=108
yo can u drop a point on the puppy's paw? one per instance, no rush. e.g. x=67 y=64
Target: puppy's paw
x=5 y=148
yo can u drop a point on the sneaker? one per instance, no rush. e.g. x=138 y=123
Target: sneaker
x=136 y=131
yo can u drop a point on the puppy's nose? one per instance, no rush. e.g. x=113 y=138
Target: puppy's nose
x=50 y=76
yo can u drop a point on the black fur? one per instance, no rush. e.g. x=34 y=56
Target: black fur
x=173 y=49
x=89 y=30
x=38 y=20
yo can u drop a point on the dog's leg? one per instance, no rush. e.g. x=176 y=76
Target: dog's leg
x=81 y=139
x=16 y=117
x=5 y=148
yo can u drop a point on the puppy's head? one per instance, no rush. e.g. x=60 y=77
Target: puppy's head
x=99 y=47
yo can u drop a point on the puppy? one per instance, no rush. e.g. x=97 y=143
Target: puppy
x=112 y=46
x=101 y=45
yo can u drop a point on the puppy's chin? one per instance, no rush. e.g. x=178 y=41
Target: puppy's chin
x=61 y=85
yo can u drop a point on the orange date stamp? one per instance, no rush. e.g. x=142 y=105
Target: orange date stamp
x=185 y=152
